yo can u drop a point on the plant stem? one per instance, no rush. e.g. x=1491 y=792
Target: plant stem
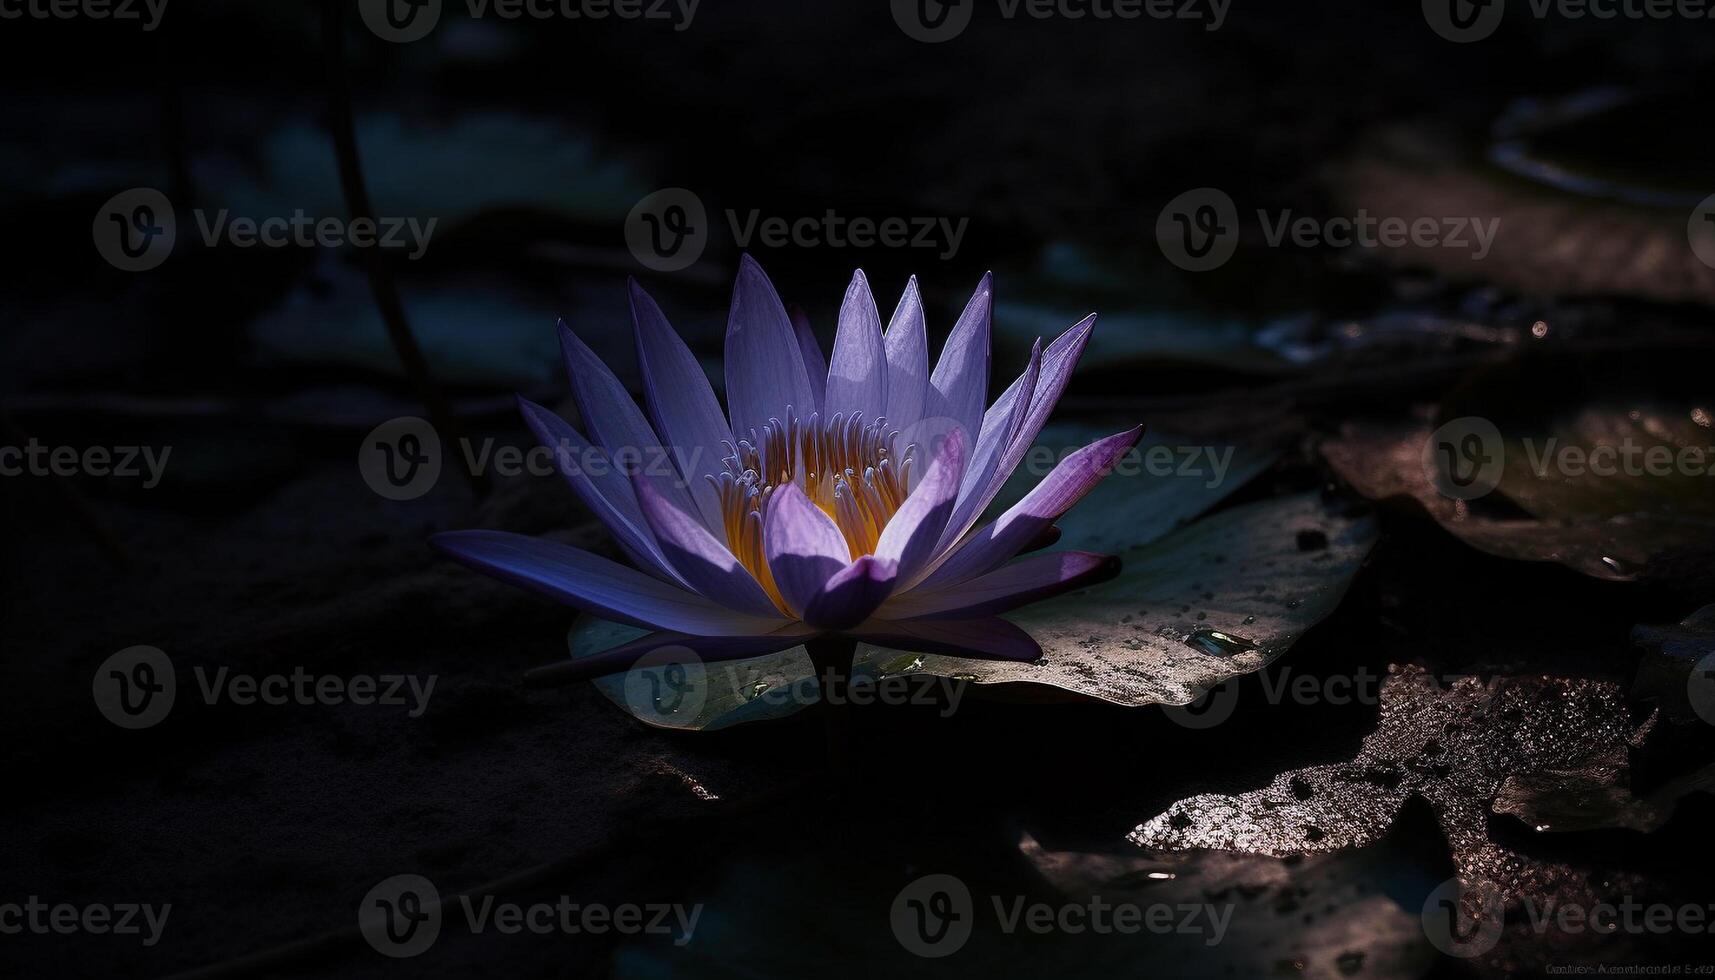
x=831 y=656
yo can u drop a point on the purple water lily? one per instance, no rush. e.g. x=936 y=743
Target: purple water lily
x=836 y=500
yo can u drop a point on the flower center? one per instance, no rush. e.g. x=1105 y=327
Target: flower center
x=848 y=466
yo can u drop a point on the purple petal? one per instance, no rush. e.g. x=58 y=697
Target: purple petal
x=703 y=562
x=764 y=364
x=615 y=421
x=910 y=535
x=1000 y=424
x=1008 y=587
x=853 y=593
x=857 y=375
x=988 y=638
x=991 y=546
x=907 y=349
x=804 y=546
x=601 y=487
x=708 y=649
x=1058 y=363
x=594 y=584
x=682 y=403
x=815 y=365
x=958 y=388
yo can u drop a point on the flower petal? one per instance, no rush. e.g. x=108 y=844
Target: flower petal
x=1058 y=362
x=815 y=365
x=852 y=594
x=991 y=546
x=764 y=365
x=988 y=638
x=1008 y=587
x=857 y=375
x=601 y=487
x=1000 y=423
x=615 y=421
x=594 y=584
x=708 y=649
x=803 y=545
x=910 y=535
x=907 y=349
x=682 y=403
x=958 y=388
x=703 y=562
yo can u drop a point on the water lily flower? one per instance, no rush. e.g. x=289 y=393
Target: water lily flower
x=834 y=498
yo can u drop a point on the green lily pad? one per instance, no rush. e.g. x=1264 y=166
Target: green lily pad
x=1258 y=576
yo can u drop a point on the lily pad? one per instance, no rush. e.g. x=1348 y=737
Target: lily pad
x=1320 y=914
x=1221 y=598
x=1453 y=745
x=1610 y=477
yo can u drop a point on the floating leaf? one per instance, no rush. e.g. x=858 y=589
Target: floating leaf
x=1452 y=745
x=1320 y=914
x=1220 y=598
x=1639 y=508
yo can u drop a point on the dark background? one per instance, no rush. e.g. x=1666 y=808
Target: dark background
x=530 y=142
